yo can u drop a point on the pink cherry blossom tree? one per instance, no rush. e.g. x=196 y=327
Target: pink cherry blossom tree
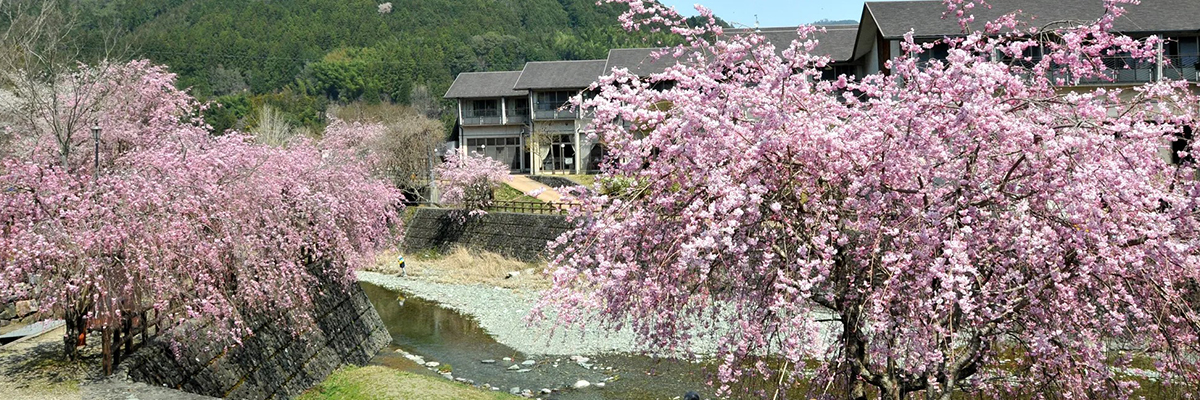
x=957 y=225
x=468 y=181
x=177 y=228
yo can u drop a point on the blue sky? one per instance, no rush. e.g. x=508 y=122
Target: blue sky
x=774 y=12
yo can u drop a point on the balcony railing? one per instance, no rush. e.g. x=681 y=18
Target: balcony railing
x=1182 y=67
x=1128 y=70
x=555 y=114
x=516 y=118
x=473 y=120
x=531 y=207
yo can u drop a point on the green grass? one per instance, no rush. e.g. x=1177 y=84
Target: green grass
x=507 y=193
x=583 y=180
x=376 y=382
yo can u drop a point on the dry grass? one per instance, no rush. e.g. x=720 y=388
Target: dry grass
x=463 y=266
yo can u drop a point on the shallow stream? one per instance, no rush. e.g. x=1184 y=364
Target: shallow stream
x=441 y=335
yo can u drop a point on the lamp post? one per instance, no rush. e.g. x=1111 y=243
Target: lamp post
x=96 y=149
x=434 y=151
x=562 y=154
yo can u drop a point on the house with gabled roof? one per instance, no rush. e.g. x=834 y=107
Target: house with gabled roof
x=518 y=116
x=884 y=24
x=558 y=143
x=493 y=118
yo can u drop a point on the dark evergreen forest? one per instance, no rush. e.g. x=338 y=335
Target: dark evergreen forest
x=302 y=55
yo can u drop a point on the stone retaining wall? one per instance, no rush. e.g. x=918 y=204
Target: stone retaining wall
x=273 y=363
x=520 y=236
x=20 y=311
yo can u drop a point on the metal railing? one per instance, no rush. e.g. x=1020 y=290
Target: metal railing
x=1129 y=70
x=530 y=207
x=555 y=114
x=1121 y=70
x=470 y=120
x=1181 y=67
x=519 y=118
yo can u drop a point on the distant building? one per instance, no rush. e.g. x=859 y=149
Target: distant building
x=518 y=117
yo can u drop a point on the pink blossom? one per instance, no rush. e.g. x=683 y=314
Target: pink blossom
x=468 y=181
x=197 y=229
x=957 y=225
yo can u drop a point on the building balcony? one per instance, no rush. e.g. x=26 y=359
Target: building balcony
x=469 y=120
x=515 y=119
x=484 y=120
x=555 y=114
x=1130 y=71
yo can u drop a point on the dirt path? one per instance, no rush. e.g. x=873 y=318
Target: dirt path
x=34 y=369
x=526 y=185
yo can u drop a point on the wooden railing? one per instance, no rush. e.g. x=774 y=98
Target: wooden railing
x=530 y=207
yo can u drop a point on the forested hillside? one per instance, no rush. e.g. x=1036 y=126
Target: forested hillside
x=299 y=55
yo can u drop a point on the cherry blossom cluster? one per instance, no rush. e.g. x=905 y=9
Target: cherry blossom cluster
x=957 y=225
x=468 y=181
x=191 y=230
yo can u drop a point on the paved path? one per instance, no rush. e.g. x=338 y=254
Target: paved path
x=526 y=185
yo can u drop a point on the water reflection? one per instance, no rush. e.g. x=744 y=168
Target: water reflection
x=445 y=336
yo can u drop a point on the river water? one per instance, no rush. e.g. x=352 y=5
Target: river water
x=439 y=334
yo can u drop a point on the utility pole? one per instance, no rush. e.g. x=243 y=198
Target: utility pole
x=432 y=181
x=96 y=149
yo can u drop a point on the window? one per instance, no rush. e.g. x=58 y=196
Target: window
x=484 y=108
x=550 y=101
x=940 y=51
x=832 y=72
x=518 y=107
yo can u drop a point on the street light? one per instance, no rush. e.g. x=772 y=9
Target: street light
x=434 y=151
x=562 y=153
x=96 y=149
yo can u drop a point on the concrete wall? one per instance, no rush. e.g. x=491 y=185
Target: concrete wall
x=273 y=363
x=520 y=236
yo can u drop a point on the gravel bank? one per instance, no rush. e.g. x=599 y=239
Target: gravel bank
x=501 y=312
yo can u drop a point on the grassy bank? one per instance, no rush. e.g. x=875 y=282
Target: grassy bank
x=375 y=382
x=508 y=193
x=465 y=267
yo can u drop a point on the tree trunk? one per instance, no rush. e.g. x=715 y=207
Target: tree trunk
x=891 y=392
x=117 y=339
x=76 y=335
x=128 y=339
x=107 y=350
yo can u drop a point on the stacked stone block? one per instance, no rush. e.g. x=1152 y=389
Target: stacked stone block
x=520 y=236
x=274 y=363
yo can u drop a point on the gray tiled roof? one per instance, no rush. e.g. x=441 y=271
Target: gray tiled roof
x=837 y=42
x=641 y=62
x=895 y=18
x=484 y=84
x=560 y=74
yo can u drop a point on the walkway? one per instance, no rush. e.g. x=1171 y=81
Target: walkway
x=526 y=185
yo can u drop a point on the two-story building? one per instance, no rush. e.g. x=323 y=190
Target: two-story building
x=493 y=117
x=558 y=142
x=518 y=116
